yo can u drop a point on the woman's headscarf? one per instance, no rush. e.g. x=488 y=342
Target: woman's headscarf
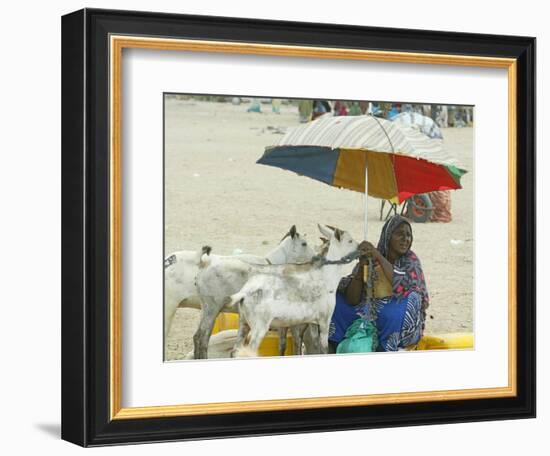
x=387 y=231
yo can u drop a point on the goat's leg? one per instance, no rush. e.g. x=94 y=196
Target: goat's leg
x=311 y=339
x=297 y=332
x=282 y=341
x=257 y=333
x=323 y=336
x=242 y=334
x=210 y=310
x=197 y=336
x=170 y=307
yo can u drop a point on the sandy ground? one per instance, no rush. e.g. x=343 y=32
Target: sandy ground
x=215 y=194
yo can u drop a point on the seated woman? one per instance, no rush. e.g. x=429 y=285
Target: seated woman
x=399 y=318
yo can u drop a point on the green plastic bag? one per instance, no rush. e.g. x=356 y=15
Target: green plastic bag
x=360 y=338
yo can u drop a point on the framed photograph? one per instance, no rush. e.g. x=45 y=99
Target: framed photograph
x=277 y=227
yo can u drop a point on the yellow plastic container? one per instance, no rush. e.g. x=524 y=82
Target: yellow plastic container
x=226 y=321
x=270 y=344
x=449 y=341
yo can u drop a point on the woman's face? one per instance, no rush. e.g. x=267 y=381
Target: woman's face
x=401 y=240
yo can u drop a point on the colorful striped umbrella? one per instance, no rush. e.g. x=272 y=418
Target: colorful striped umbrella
x=401 y=162
x=358 y=152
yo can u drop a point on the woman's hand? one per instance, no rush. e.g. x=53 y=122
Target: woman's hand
x=366 y=250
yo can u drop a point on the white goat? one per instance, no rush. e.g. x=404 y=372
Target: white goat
x=181 y=268
x=180 y=272
x=220 y=277
x=290 y=295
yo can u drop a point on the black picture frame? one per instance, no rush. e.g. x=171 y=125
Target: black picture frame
x=86 y=387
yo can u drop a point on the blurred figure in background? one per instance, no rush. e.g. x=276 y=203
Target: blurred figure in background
x=276 y=105
x=305 y=109
x=443 y=117
x=320 y=107
x=354 y=109
x=340 y=109
x=255 y=106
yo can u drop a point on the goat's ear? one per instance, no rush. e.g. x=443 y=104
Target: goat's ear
x=338 y=234
x=325 y=231
x=292 y=231
x=324 y=240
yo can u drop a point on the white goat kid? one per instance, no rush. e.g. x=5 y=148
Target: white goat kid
x=286 y=296
x=220 y=277
x=305 y=338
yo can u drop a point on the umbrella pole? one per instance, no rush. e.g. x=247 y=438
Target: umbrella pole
x=366 y=204
x=369 y=276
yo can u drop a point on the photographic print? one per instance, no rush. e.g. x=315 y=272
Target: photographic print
x=272 y=247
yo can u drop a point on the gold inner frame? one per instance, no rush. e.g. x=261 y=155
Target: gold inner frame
x=117 y=44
